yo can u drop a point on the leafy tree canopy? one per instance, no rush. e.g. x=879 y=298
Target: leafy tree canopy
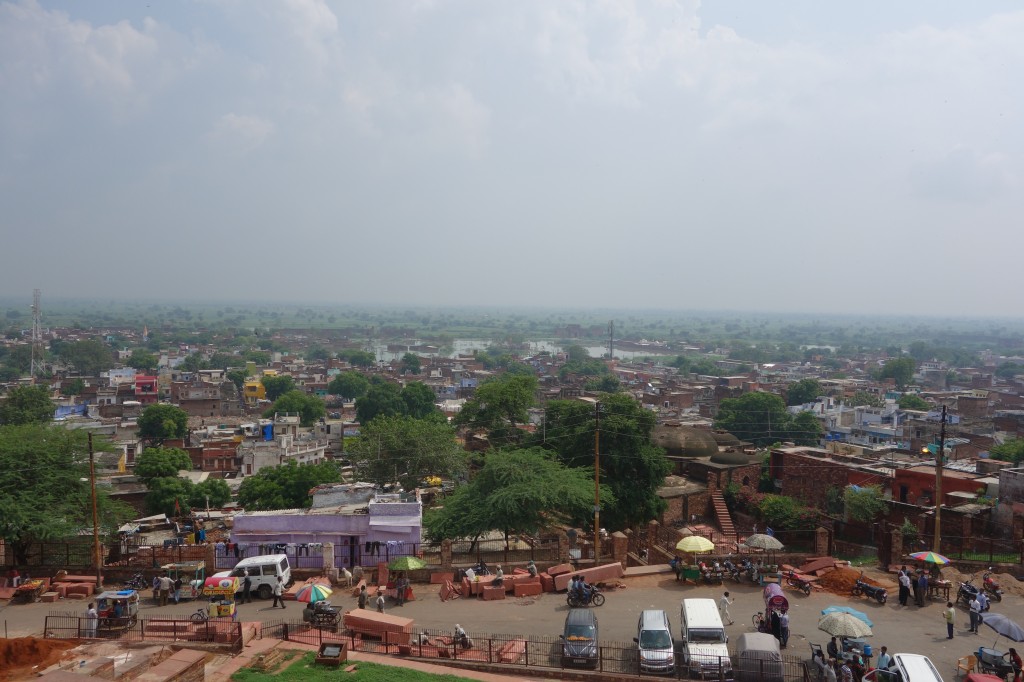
x=516 y=491
x=158 y=423
x=169 y=495
x=277 y=386
x=609 y=383
x=309 y=407
x=1008 y=370
x=864 y=503
x=803 y=392
x=901 y=370
x=913 y=402
x=27 y=405
x=161 y=463
x=1010 y=451
x=406 y=449
x=350 y=385
x=237 y=377
x=143 y=361
x=631 y=467
x=862 y=399
x=499 y=405
x=410 y=363
x=358 y=358
x=287 y=486
x=44 y=488
x=73 y=387
x=419 y=400
x=89 y=357
x=386 y=399
x=761 y=418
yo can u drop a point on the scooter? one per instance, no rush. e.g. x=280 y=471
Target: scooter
x=794 y=580
x=991 y=586
x=732 y=569
x=879 y=594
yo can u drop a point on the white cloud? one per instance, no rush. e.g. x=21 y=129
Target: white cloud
x=243 y=131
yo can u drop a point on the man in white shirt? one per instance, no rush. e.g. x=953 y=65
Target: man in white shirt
x=92 y=618
x=975 y=615
x=904 y=588
x=723 y=606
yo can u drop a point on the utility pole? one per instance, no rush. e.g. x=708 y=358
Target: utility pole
x=938 y=481
x=611 y=339
x=96 y=551
x=37 y=333
x=597 y=483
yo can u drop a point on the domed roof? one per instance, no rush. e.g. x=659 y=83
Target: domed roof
x=725 y=438
x=683 y=441
x=731 y=456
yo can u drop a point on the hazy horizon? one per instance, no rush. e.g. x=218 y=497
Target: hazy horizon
x=735 y=157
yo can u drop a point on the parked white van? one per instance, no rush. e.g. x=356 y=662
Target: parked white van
x=654 y=639
x=906 y=668
x=704 y=639
x=263 y=572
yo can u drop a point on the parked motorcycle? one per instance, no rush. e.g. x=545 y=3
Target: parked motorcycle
x=967 y=592
x=750 y=571
x=732 y=569
x=137 y=582
x=879 y=594
x=712 y=574
x=575 y=600
x=991 y=586
x=794 y=580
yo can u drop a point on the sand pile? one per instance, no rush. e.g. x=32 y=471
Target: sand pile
x=842 y=580
x=20 y=655
x=1007 y=583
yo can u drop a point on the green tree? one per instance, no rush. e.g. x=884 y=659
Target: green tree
x=193 y=363
x=757 y=417
x=382 y=399
x=803 y=392
x=285 y=487
x=901 y=370
x=89 y=357
x=158 y=423
x=278 y=385
x=358 y=358
x=143 y=361
x=576 y=353
x=214 y=490
x=169 y=495
x=318 y=354
x=1010 y=451
x=410 y=363
x=608 y=383
x=805 y=429
x=499 y=406
x=257 y=357
x=632 y=468
x=863 y=503
x=516 y=491
x=419 y=400
x=237 y=377
x=406 y=450
x=161 y=463
x=350 y=385
x=309 y=407
x=27 y=405
x=1008 y=370
x=73 y=387
x=44 y=487
x=910 y=401
x=19 y=358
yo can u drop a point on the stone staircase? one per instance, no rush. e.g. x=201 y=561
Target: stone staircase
x=723 y=517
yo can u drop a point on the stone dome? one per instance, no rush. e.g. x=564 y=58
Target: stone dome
x=726 y=439
x=731 y=456
x=683 y=441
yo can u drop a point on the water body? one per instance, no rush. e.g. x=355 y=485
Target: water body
x=467 y=346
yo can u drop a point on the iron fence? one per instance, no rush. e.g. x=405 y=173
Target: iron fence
x=73 y=626
x=345 y=556
x=536 y=652
x=516 y=550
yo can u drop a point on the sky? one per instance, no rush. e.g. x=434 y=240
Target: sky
x=741 y=155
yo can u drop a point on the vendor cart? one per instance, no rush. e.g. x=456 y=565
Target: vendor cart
x=117 y=610
x=322 y=614
x=28 y=592
x=192 y=575
x=221 y=592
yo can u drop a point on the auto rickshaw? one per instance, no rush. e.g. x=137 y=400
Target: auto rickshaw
x=192 y=575
x=117 y=610
x=221 y=592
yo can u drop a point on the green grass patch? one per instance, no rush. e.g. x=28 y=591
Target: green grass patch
x=304 y=670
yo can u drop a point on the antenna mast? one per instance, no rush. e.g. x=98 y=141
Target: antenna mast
x=37 y=332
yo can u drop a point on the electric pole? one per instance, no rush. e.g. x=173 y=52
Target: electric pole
x=939 y=456
x=597 y=483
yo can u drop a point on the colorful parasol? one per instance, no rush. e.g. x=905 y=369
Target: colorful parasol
x=313 y=592
x=840 y=624
x=930 y=557
x=695 y=544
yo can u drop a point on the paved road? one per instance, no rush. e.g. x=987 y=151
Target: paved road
x=910 y=629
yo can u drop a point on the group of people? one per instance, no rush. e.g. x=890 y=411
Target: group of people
x=164 y=587
x=838 y=664
x=909 y=583
x=364 y=598
x=581 y=588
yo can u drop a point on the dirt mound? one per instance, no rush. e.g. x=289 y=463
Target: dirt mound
x=1007 y=583
x=18 y=656
x=842 y=580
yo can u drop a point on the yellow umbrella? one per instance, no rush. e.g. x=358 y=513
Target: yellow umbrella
x=695 y=544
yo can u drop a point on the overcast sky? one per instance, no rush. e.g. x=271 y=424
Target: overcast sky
x=738 y=154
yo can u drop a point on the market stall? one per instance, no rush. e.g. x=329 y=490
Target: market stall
x=117 y=610
x=221 y=592
x=192 y=575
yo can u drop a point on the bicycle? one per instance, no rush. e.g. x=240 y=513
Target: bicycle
x=759 y=622
x=200 y=616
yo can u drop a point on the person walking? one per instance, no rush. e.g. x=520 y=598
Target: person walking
x=904 y=588
x=363 y=597
x=177 y=590
x=401 y=585
x=165 y=589
x=380 y=602
x=156 y=589
x=922 y=588
x=975 y=614
x=92 y=619
x=784 y=628
x=278 y=593
x=246 y=587
x=723 y=606
x=950 y=615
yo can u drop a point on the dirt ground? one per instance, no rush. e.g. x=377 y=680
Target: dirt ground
x=20 y=657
